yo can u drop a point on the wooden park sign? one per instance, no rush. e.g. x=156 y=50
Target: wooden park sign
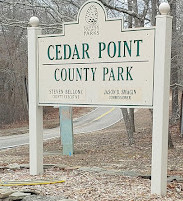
x=97 y=62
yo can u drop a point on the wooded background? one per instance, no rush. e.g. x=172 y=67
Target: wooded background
x=14 y=18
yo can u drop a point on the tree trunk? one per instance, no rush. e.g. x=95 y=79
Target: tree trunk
x=130 y=20
x=128 y=126
x=154 y=12
x=135 y=8
x=170 y=142
x=132 y=117
x=174 y=69
x=130 y=25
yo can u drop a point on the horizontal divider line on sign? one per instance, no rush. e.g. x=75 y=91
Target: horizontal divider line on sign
x=110 y=62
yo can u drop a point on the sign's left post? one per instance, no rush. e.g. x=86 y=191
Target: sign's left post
x=35 y=111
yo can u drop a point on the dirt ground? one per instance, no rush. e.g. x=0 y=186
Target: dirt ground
x=108 y=149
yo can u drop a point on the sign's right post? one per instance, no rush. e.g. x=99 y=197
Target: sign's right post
x=161 y=101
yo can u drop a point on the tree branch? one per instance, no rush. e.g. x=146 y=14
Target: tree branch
x=123 y=10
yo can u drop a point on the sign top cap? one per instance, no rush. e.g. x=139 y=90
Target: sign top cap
x=34 y=21
x=164 y=8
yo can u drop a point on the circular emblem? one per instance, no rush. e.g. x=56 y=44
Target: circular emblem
x=91 y=15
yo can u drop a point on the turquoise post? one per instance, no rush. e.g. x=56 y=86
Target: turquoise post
x=66 y=130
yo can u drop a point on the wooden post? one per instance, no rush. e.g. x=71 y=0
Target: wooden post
x=161 y=101
x=66 y=130
x=35 y=112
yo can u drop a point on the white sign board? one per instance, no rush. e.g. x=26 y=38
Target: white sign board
x=96 y=62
